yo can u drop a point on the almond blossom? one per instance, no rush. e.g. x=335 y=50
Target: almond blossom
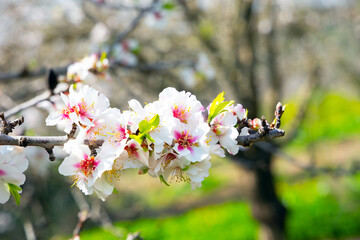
x=223 y=130
x=80 y=107
x=12 y=165
x=87 y=169
x=191 y=142
x=87 y=69
x=182 y=107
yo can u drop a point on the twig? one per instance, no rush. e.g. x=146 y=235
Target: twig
x=118 y=6
x=134 y=236
x=51 y=154
x=8 y=127
x=26 y=73
x=246 y=141
x=29 y=230
x=83 y=216
x=156 y=66
x=30 y=103
x=48 y=142
x=23 y=141
x=131 y=27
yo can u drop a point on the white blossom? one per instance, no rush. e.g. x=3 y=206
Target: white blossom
x=12 y=165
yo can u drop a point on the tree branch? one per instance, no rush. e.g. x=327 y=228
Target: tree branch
x=246 y=141
x=118 y=6
x=51 y=141
x=131 y=27
x=38 y=141
x=30 y=103
x=26 y=73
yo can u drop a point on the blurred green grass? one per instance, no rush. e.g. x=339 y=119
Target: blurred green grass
x=330 y=115
x=315 y=213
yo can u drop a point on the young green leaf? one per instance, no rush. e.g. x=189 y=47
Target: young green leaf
x=103 y=56
x=144 y=126
x=138 y=138
x=155 y=121
x=161 y=177
x=220 y=98
x=14 y=190
x=149 y=137
x=168 y=6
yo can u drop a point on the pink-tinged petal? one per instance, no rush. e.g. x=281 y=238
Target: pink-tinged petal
x=13 y=175
x=2 y=172
x=180 y=148
x=19 y=161
x=191 y=150
x=67 y=167
x=177 y=134
x=229 y=119
x=4 y=192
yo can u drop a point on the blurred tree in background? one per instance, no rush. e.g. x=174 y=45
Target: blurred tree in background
x=304 y=53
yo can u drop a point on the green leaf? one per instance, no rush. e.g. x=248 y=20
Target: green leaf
x=103 y=56
x=137 y=138
x=168 y=6
x=155 y=121
x=185 y=168
x=149 y=137
x=115 y=191
x=147 y=126
x=216 y=102
x=144 y=126
x=136 y=50
x=161 y=177
x=14 y=190
x=218 y=105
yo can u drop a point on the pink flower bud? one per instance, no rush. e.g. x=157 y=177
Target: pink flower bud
x=255 y=124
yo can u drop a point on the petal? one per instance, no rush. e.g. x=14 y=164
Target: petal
x=12 y=175
x=69 y=166
x=4 y=192
x=53 y=119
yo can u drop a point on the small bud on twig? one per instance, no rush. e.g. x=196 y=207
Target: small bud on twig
x=51 y=154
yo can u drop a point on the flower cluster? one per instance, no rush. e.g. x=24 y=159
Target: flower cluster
x=169 y=139
x=12 y=165
x=88 y=69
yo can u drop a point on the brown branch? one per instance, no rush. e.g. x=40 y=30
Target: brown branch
x=26 y=73
x=246 y=141
x=131 y=27
x=30 y=103
x=49 y=142
x=117 y=6
x=8 y=127
x=23 y=141
x=83 y=216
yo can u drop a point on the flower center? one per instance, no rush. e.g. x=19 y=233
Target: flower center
x=85 y=110
x=180 y=113
x=132 y=150
x=66 y=111
x=120 y=134
x=185 y=140
x=88 y=165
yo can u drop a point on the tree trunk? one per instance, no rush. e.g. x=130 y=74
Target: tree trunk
x=265 y=205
